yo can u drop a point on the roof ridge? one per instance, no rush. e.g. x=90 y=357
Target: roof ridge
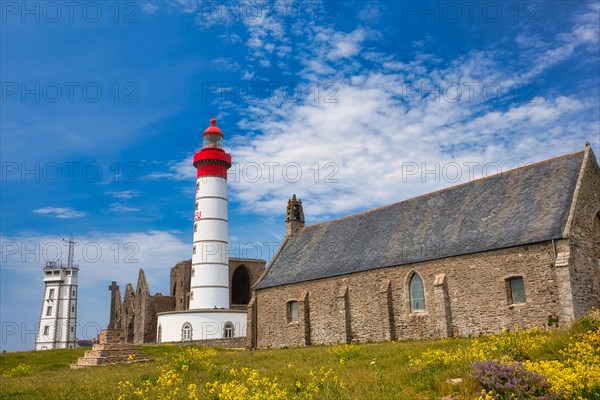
x=441 y=190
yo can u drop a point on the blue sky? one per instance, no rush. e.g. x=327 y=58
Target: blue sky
x=350 y=105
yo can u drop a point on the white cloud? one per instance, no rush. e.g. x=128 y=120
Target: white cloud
x=346 y=45
x=390 y=111
x=149 y=8
x=121 y=208
x=123 y=194
x=182 y=170
x=60 y=212
x=185 y=6
x=585 y=32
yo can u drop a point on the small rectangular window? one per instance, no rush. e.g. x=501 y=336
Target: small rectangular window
x=48 y=311
x=46 y=330
x=72 y=329
x=292 y=311
x=72 y=308
x=68 y=272
x=516 y=290
x=193 y=272
x=51 y=294
x=74 y=292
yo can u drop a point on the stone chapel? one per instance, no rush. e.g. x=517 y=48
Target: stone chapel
x=521 y=247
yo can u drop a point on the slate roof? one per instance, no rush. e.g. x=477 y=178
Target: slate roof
x=524 y=205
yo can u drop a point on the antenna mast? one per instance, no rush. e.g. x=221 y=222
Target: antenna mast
x=71 y=243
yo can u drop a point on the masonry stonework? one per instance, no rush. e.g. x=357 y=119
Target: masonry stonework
x=476 y=294
x=584 y=239
x=139 y=319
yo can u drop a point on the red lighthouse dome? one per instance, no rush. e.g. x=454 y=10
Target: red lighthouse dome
x=212 y=160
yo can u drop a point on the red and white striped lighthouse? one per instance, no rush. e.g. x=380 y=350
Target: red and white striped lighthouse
x=208 y=316
x=210 y=263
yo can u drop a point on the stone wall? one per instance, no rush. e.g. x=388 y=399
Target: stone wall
x=128 y=320
x=584 y=238
x=255 y=269
x=180 y=284
x=464 y=296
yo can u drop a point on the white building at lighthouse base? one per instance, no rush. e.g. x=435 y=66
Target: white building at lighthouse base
x=192 y=325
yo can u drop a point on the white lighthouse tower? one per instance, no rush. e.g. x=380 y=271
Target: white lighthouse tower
x=58 y=316
x=209 y=316
x=210 y=265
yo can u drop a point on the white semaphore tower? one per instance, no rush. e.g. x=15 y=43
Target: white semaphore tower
x=209 y=316
x=58 y=317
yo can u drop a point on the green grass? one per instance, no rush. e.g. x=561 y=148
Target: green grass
x=370 y=371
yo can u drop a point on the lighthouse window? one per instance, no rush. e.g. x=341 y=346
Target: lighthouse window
x=48 y=272
x=214 y=141
x=49 y=311
x=51 y=294
x=193 y=272
x=68 y=272
x=73 y=292
x=228 y=332
x=195 y=227
x=194 y=250
x=196 y=206
x=72 y=308
x=186 y=332
x=46 y=330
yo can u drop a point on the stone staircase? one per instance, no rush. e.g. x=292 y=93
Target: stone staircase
x=110 y=350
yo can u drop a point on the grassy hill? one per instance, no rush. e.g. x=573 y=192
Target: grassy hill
x=569 y=360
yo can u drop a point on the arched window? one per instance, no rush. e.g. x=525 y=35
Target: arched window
x=417 y=294
x=186 y=332
x=228 y=331
x=292 y=311
x=159 y=338
x=240 y=286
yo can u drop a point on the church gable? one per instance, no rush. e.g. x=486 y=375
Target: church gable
x=525 y=205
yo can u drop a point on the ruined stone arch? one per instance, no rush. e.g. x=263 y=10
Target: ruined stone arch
x=240 y=286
